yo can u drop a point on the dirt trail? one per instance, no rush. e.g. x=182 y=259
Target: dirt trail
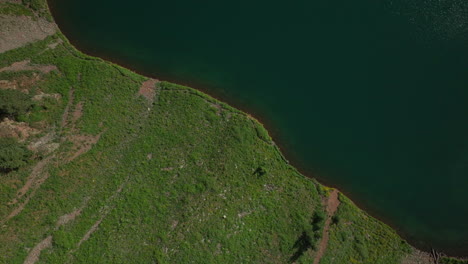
x=33 y=178
x=90 y=232
x=64 y=219
x=34 y=254
x=67 y=108
x=20 y=208
x=331 y=204
x=26 y=66
x=77 y=113
x=104 y=212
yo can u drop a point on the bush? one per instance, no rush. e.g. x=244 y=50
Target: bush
x=318 y=220
x=447 y=260
x=13 y=154
x=14 y=104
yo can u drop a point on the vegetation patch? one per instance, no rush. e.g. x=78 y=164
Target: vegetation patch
x=13 y=154
x=172 y=176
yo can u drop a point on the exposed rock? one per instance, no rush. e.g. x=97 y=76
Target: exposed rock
x=44 y=145
x=41 y=96
x=20 y=130
x=17 y=31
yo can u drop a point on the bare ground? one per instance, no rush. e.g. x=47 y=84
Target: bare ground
x=19 y=130
x=34 y=254
x=32 y=179
x=64 y=219
x=27 y=66
x=148 y=89
x=331 y=204
x=22 y=83
x=17 y=31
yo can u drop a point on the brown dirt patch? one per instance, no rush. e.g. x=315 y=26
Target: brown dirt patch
x=27 y=66
x=34 y=254
x=148 y=89
x=5 y=84
x=17 y=31
x=22 y=83
x=331 y=204
x=20 y=130
x=77 y=113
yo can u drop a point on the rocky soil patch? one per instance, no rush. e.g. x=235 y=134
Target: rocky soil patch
x=20 y=130
x=17 y=31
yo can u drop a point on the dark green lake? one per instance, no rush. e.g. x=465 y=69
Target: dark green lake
x=370 y=96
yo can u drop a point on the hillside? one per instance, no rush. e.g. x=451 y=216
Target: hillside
x=126 y=169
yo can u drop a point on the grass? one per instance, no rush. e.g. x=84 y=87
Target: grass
x=183 y=179
x=15 y=9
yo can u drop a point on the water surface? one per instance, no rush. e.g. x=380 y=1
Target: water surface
x=370 y=95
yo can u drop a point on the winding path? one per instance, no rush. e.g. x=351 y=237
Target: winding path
x=331 y=204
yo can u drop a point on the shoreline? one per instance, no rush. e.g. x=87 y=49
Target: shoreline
x=290 y=156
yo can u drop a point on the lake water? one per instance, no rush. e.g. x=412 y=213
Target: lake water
x=370 y=96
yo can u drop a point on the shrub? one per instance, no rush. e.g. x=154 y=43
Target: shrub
x=14 y=104
x=318 y=220
x=12 y=154
x=260 y=171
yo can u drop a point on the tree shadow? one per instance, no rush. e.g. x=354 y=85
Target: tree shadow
x=302 y=244
x=6 y=170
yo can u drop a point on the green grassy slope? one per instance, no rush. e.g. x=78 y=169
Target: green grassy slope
x=182 y=179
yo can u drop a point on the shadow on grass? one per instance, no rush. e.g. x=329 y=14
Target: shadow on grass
x=302 y=244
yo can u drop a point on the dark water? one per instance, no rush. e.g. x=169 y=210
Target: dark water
x=371 y=95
